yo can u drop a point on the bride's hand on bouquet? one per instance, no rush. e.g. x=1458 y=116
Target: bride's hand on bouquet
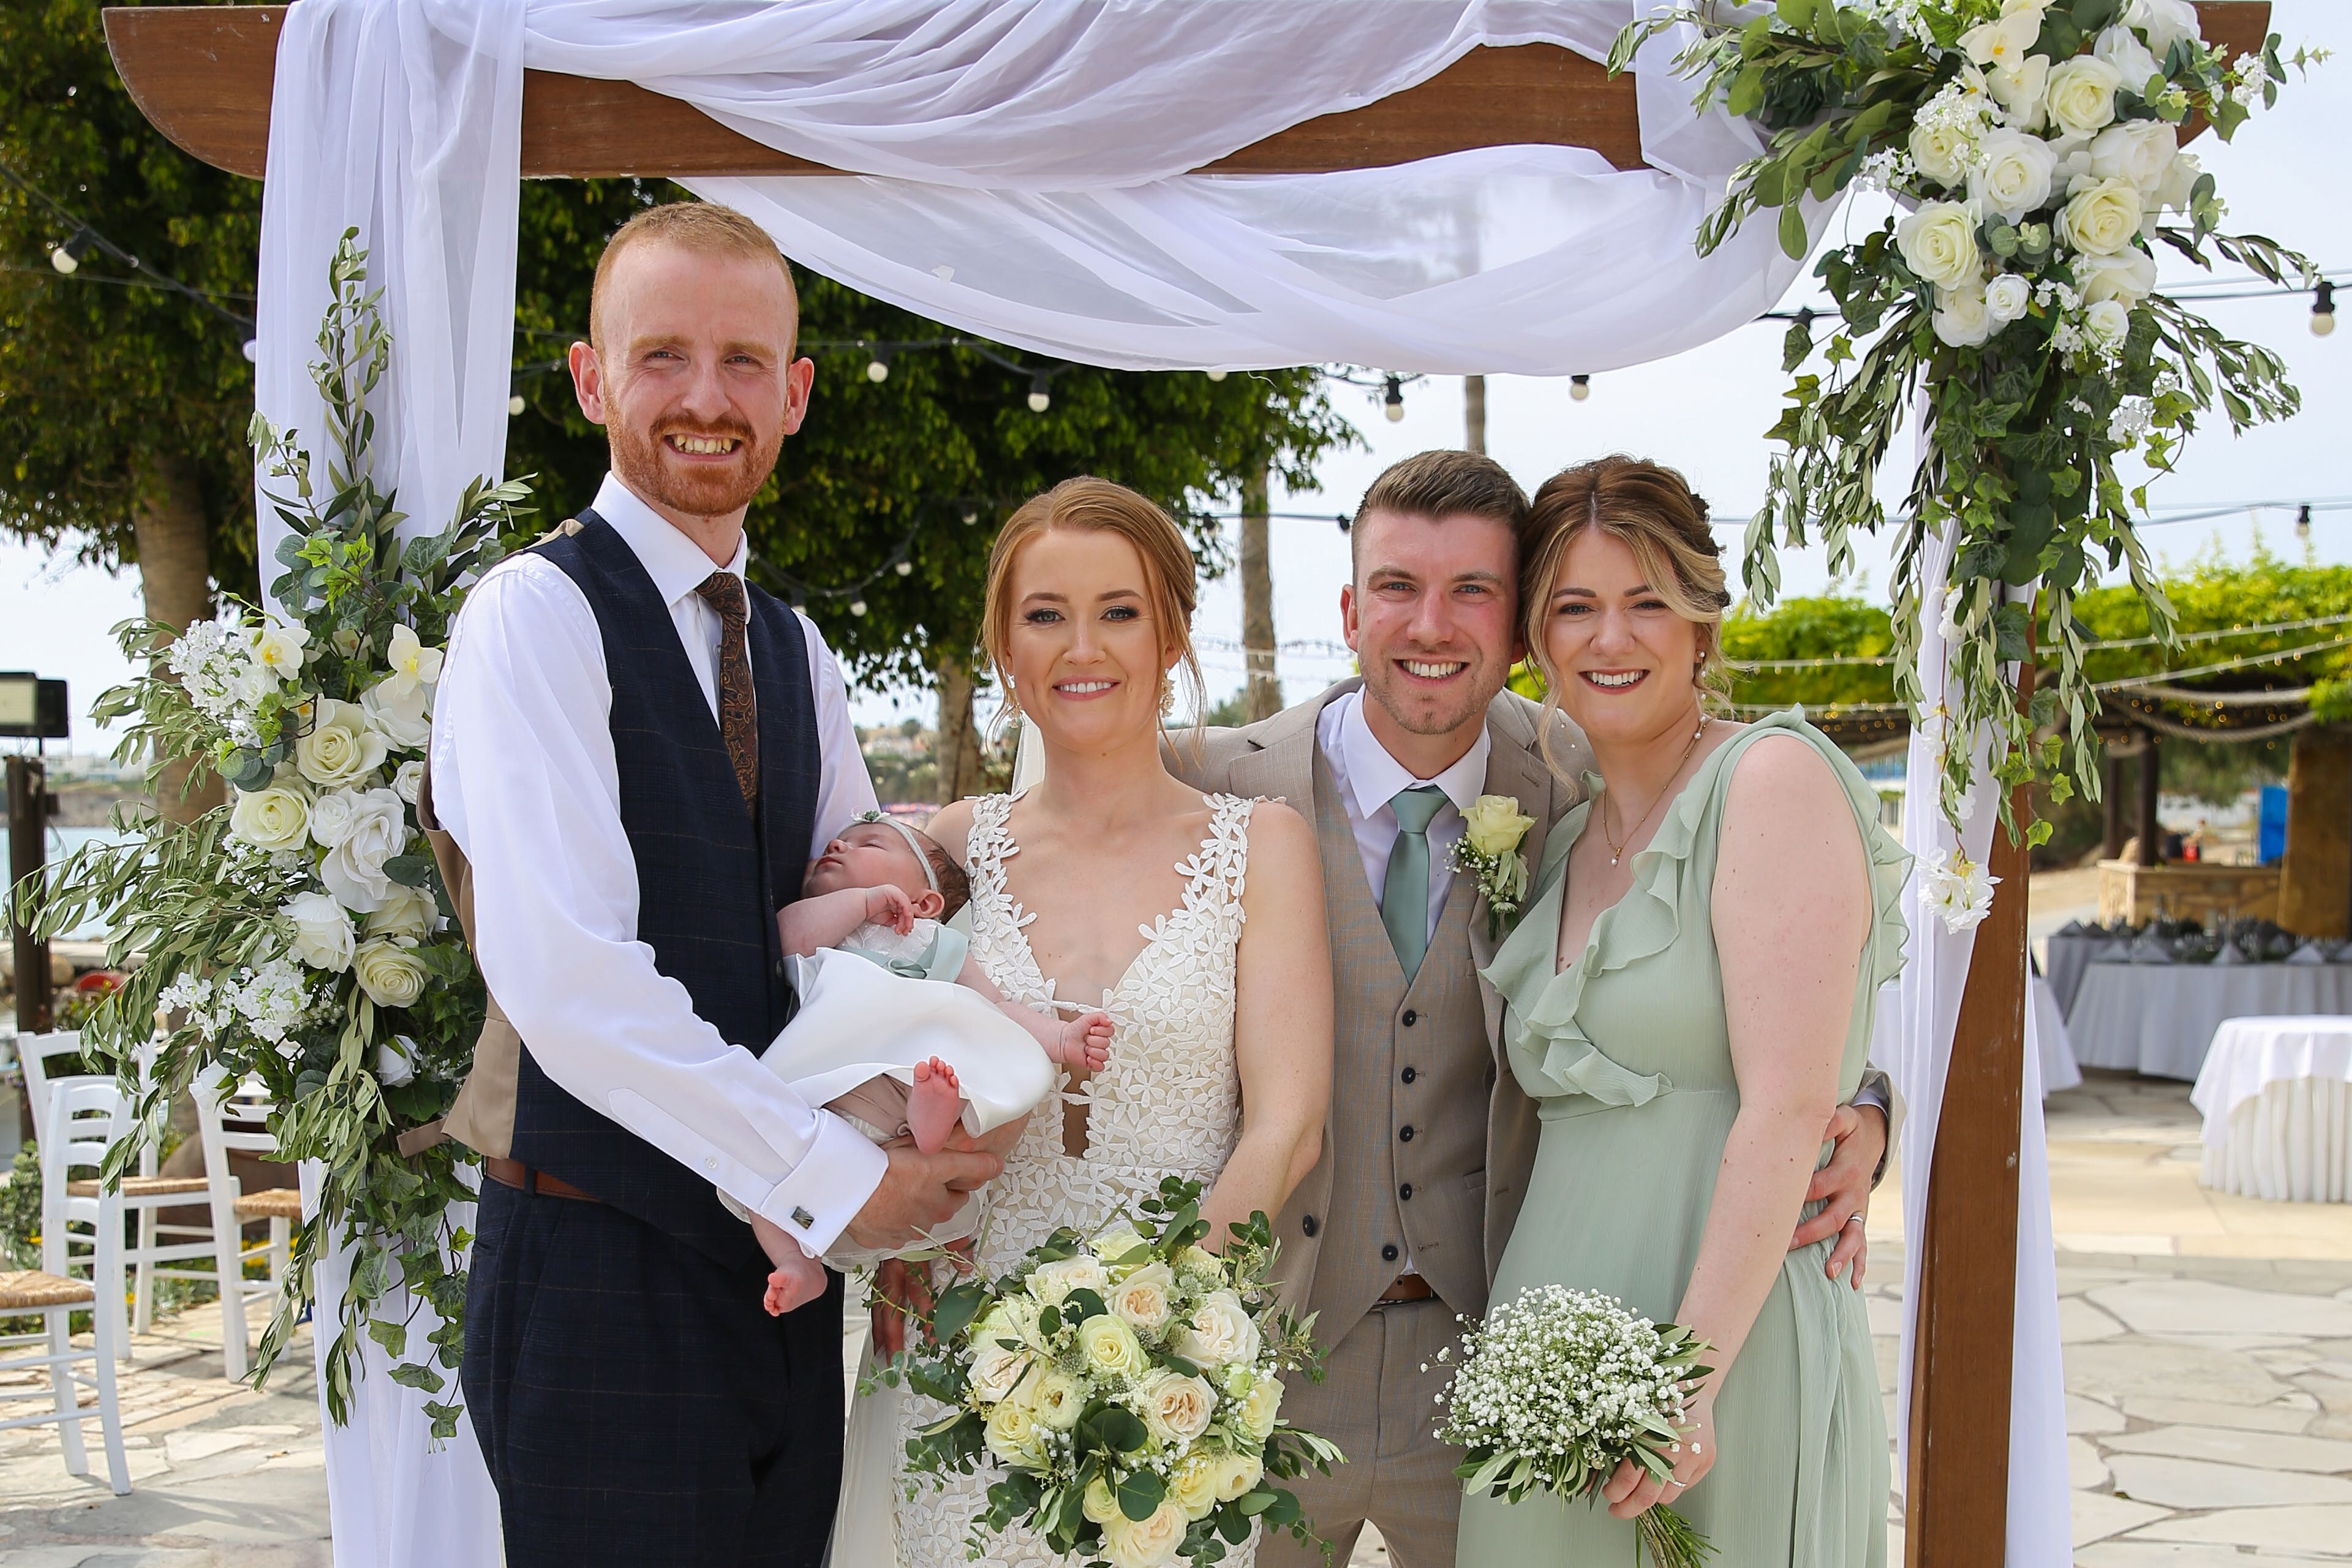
x=1633 y=1491
x=905 y=1289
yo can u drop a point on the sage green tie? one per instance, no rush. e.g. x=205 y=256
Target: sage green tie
x=1404 y=897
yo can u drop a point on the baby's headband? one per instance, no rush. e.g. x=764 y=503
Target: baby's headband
x=930 y=875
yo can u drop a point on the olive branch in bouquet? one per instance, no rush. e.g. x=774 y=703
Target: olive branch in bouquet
x=299 y=935
x=2015 y=309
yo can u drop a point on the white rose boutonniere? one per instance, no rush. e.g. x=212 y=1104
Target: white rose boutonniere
x=1489 y=850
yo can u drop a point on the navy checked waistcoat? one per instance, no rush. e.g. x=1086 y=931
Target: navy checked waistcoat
x=711 y=872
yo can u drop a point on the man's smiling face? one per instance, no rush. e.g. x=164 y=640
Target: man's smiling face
x=1432 y=618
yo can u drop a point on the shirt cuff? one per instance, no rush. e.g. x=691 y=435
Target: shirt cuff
x=841 y=1170
x=1873 y=1091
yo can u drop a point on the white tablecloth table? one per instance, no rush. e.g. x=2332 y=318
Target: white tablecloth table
x=2275 y=1093
x=2158 y=1018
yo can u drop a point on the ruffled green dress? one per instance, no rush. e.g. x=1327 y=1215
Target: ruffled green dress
x=1629 y=1058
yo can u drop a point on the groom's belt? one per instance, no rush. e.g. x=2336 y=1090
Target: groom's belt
x=515 y=1174
x=1408 y=1287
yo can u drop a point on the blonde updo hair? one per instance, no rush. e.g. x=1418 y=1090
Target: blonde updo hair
x=1090 y=505
x=1652 y=510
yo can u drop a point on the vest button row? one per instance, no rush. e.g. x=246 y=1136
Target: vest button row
x=1411 y=1017
x=1409 y=1075
x=1404 y=1134
x=1388 y=1253
x=1405 y=1192
x=1307 y=1225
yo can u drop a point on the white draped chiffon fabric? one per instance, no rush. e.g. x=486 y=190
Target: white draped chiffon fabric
x=2277 y=1094
x=1927 y=995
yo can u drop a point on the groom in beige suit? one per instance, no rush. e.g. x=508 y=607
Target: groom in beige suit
x=1430 y=1141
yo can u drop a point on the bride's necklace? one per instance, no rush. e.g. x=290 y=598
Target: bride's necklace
x=1617 y=849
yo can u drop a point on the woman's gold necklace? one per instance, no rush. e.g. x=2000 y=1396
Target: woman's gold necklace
x=1617 y=850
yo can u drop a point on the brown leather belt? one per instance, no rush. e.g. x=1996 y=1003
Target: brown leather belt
x=1406 y=1288
x=515 y=1174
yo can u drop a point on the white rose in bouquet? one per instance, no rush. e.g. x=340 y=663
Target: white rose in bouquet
x=406 y=911
x=2106 y=324
x=2140 y=150
x=2007 y=298
x=413 y=664
x=408 y=781
x=340 y=749
x=1221 y=1329
x=2013 y=177
x=2121 y=48
x=1012 y=1433
x=1938 y=151
x=1194 y=1484
x=1962 y=317
x=1939 y=243
x=1110 y=1348
x=389 y=973
x=2006 y=38
x=1053 y=1282
x=1236 y=1475
x=330 y=817
x=2082 y=94
x=2181 y=179
x=401 y=716
x=375 y=830
x=1013 y=1317
x=1054 y=1398
x=1116 y=1243
x=1261 y=1407
x=322 y=932
x=2102 y=218
x=997 y=1370
x=395 y=1061
x=1141 y=1298
x=1145 y=1544
x=1176 y=1409
x=2018 y=88
x=2126 y=278
x=273 y=818
x=2163 y=22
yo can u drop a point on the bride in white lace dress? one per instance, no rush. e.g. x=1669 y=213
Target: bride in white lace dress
x=1196 y=922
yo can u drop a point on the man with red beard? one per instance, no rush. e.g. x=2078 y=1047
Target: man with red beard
x=636 y=755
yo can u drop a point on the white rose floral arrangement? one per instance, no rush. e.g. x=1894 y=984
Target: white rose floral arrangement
x=299 y=934
x=2033 y=147
x=1557 y=1388
x=1128 y=1385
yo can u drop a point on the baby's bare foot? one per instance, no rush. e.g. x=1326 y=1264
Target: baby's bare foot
x=934 y=1105
x=798 y=1280
x=1086 y=1042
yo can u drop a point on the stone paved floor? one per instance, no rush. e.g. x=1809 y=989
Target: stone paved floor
x=2208 y=1350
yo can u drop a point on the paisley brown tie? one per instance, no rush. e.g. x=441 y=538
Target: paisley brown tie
x=739 y=713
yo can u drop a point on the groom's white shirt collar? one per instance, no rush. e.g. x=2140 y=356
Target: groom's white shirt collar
x=675 y=563
x=1373 y=777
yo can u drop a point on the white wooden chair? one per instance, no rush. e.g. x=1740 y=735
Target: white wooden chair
x=228 y=1121
x=81 y=1122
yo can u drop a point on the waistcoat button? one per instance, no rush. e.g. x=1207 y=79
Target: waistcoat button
x=1307 y=1225
x=1411 y=1017
x=1405 y=1135
x=1388 y=1253
x=1405 y=1192
x=1409 y=1075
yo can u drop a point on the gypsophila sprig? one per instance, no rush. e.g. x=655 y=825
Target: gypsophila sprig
x=1557 y=1388
x=1127 y=1383
x=2034 y=144
x=299 y=934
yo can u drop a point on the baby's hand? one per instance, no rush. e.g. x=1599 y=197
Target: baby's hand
x=886 y=905
x=1085 y=1041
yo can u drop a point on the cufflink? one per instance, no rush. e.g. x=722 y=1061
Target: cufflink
x=803 y=1219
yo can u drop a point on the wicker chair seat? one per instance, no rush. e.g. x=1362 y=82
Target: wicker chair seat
x=271 y=1203
x=27 y=1289
x=145 y=1186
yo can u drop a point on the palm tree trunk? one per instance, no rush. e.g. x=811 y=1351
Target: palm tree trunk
x=1262 y=694
x=173 y=538
x=958 y=745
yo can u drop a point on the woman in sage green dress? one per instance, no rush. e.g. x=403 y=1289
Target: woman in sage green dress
x=1687 y=996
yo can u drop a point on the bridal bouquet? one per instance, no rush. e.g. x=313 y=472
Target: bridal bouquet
x=299 y=934
x=2015 y=305
x=1557 y=1388
x=1128 y=1385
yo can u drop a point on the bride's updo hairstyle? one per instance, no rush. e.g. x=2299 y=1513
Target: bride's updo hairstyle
x=1090 y=505
x=1651 y=509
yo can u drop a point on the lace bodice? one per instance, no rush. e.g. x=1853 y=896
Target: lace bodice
x=1168 y=1102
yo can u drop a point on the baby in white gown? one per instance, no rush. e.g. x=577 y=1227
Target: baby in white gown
x=854 y=901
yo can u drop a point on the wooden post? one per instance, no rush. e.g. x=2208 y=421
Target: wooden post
x=2151 y=849
x=2111 y=846
x=1474 y=412
x=28 y=830
x=1262 y=683
x=1957 y=1493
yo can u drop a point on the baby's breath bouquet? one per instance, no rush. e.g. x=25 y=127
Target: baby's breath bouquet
x=299 y=935
x=1128 y=1383
x=1558 y=1387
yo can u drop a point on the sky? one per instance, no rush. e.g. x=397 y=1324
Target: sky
x=1704 y=412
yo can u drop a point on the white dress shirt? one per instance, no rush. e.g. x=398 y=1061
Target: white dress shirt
x=525 y=780
x=1369 y=778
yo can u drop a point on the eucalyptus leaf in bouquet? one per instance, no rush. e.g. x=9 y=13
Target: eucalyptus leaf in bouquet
x=298 y=934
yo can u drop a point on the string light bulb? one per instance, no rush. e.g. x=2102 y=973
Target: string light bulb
x=905 y=568
x=67 y=258
x=2302 y=522
x=1393 y=402
x=856 y=606
x=515 y=405
x=970 y=516
x=2322 y=311
x=1040 y=398
x=1216 y=376
x=252 y=350
x=1579 y=387
x=877 y=369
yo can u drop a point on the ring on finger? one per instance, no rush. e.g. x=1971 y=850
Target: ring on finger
x=1851 y=1219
